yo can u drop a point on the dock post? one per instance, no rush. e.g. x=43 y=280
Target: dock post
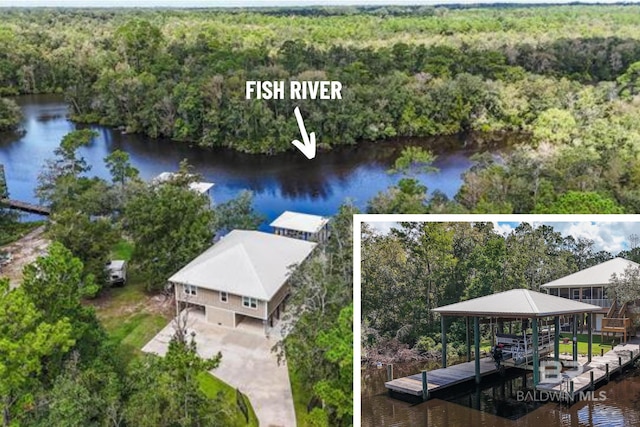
x=390 y=372
x=620 y=362
x=590 y=343
x=575 y=338
x=536 y=346
x=591 y=375
x=476 y=342
x=468 y=336
x=425 y=388
x=443 y=331
x=556 y=338
x=572 y=391
x=601 y=351
x=607 y=371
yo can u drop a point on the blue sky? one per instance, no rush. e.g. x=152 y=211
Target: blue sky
x=609 y=236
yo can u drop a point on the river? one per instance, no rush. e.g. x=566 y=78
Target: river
x=495 y=404
x=282 y=182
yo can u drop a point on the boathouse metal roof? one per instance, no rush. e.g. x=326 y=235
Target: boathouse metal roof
x=247 y=263
x=516 y=303
x=597 y=275
x=300 y=222
x=200 y=187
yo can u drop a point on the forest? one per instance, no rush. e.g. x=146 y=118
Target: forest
x=69 y=353
x=421 y=266
x=559 y=83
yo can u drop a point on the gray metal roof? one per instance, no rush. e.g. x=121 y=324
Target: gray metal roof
x=300 y=222
x=517 y=303
x=248 y=263
x=597 y=275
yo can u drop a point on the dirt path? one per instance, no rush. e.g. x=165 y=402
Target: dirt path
x=23 y=251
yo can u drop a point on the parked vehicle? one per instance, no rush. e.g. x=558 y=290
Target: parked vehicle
x=117 y=271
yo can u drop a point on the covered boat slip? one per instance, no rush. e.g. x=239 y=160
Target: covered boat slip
x=534 y=309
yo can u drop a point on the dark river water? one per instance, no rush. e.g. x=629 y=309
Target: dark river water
x=495 y=404
x=283 y=182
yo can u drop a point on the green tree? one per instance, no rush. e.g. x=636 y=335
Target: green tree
x=26 y=341
x=89 y=239
x=170 y=224
x=65 y=165
x=238 y=213
x=336 y=391
x=578 y=202
x=120 y=168
x=56 y=285
x=10 y=115
x=165 y=390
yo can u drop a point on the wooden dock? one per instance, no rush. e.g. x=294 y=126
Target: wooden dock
x=441 y=378
x=25 y=207
x=597 y=372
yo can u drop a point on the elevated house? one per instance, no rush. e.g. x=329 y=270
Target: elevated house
x=241 y=278
x=302 y=226
x=590 y=286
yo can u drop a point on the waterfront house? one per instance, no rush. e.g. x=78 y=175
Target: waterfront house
x=241 y=278
x=590 y=286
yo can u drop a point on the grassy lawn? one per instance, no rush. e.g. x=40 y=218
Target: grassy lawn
x=212 y=386
x=17 y=230
x=122 y=250
x=132 y=318
x=583 y=345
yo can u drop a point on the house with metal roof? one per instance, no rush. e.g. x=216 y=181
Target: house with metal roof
x=590 y=286
x=200 y=187
x=243 y=277
x=302 y=226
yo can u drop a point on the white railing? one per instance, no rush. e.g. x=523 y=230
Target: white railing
x=602 y=302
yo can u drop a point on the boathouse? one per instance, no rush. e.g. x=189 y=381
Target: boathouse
x=537 y=314
x=302 y=226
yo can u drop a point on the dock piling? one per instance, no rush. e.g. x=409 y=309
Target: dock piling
x=425 y=388
x=390 y=372
x=591 y=377
x=601 y=352
x=607 y=371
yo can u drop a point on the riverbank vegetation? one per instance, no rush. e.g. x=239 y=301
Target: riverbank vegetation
x=558 y=75
x=421 y=266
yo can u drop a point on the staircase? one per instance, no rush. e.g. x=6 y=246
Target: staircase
x=617 y=321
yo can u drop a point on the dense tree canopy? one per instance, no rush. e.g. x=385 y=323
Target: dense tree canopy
x=420 y=266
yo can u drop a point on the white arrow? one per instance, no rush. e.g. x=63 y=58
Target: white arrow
x=309 y=146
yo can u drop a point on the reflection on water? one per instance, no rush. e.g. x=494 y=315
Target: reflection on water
x=286 y=181
x=495 y=403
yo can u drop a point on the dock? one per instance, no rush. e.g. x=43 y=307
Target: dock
x=596 y=372
x=25 y=207
x=441 y=378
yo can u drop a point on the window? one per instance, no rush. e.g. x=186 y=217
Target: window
x=250 y=302
x=190 y=290
x=224 y=297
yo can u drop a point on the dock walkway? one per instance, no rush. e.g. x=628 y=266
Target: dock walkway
x=441 y=378
x=598 y=370
x=25 y=207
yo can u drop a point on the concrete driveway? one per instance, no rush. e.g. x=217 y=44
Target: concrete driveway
x=247 y=363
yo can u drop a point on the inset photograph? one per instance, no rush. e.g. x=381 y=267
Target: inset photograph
x=489 y=319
